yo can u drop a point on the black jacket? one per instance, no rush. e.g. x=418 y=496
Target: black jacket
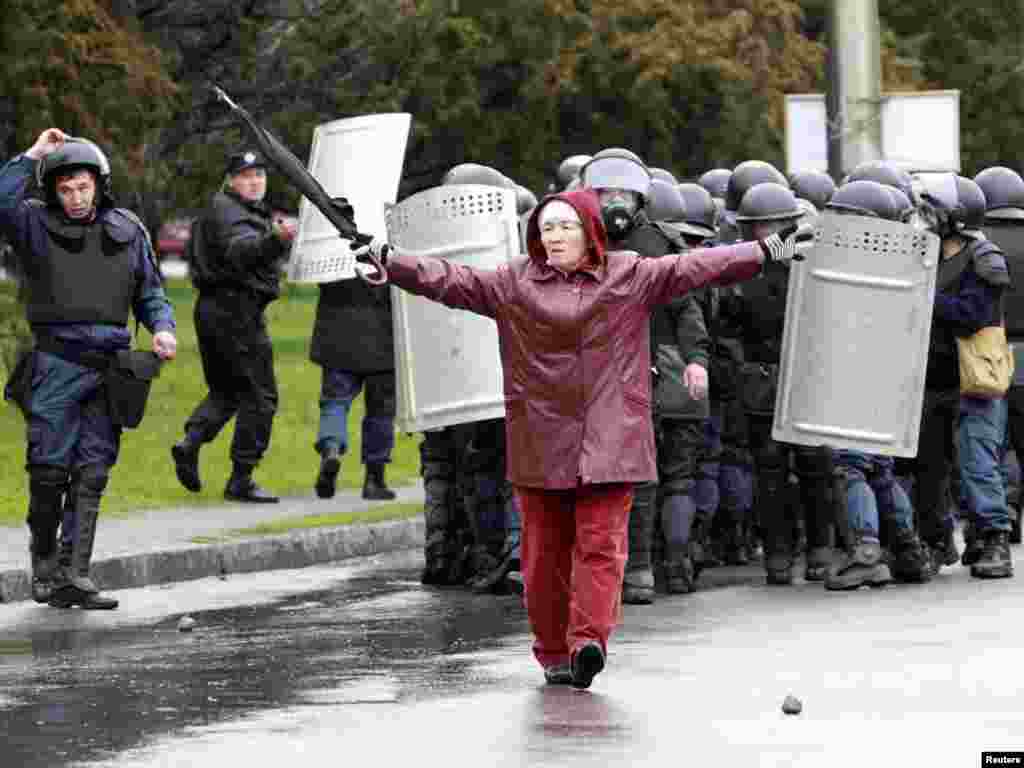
x=353 y=330
x=238 y=248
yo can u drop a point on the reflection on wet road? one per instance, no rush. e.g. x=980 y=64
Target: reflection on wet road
x=361 y=663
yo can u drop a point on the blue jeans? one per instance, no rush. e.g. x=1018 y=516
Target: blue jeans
x=337 y=391
x=982 y=433
x=872 y=493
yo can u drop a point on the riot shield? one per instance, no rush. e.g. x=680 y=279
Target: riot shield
x=361 y=159
x=447 y=360
x=855 y=344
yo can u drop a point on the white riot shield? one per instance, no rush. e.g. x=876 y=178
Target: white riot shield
x=359 y=158
x=447 y=360
x=855 y=345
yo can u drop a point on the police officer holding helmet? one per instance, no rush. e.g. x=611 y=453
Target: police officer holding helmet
x=88 y=266
x=236 y=253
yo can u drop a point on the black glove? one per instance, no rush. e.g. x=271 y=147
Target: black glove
x=788 y=243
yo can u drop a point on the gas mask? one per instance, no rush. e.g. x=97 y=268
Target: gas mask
x=618 y=208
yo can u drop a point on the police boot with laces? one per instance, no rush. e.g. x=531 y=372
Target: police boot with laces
x=859 y=566
x=374 y=487
x=241 y=487
x=995 y=561
x=327 y=478
x=186 y=463
x=910 y=558
x=679 y=576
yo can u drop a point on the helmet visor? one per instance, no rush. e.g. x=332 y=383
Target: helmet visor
x=617 y=173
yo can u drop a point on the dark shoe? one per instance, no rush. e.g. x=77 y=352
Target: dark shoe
x=638 y=587
x=734 y=546
x=43 y=572
x=860 y=566
x=910 y=560
x=587 y=662
x=244 y=488
x=374 y=487
x=326 y=480
x=71 y=595
x=491 y=578
x=943 y=552
x=995 y=561
x=974 y=545
x=778 y=570
x=679 y=578
x=558 y=674
x=186 y=464
x=818 y=561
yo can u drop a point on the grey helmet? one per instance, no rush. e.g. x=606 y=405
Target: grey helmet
x=617 y=169
x=971 y=216
x=884 y=173
x=768 y=201
x=661 y=173
x=526 y=201
x=75 y=154
x=748 y=174
x=665 y=204
x=1004 y=192
x=814 y=186
x=903 y=203
x=474 y=173
x=701 y=211
x=715 y=181
x=569 y=169
x=866 y=198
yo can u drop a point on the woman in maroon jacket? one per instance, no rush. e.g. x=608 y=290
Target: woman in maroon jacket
x=573 y=325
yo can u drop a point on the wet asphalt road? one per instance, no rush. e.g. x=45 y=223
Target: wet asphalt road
x=359 y=663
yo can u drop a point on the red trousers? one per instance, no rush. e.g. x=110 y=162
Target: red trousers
x=573 y=548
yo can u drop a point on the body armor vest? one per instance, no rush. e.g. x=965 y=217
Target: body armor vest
x=86 y=274
x=1009 y=236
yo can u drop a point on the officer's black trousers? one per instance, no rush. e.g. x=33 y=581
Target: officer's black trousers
x=238 y=364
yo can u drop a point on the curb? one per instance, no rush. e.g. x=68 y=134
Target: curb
x=265 y=553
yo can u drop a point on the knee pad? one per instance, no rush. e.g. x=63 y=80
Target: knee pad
x=93 y=477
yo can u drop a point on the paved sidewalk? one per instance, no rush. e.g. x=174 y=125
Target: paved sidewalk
x=158 y=546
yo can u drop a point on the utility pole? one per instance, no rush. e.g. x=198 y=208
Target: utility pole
x=854 y=99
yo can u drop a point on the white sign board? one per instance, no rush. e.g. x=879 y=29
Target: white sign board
x=920 y=131
x=358 y=158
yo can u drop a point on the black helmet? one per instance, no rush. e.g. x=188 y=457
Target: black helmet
x=665 y=204
x=661 y=173
x=866 y=198
x=748 y=174
x=768 y=201
x=617 y=169
x=701 y=211
x=570 y=168
x=75 y=154
x=884 y=173
x=715 y=181
x=971 y=216
x=473 y=173
x=1004 y=192
x=526 y=201
x=814 y=186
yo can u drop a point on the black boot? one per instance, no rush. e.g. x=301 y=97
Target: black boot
x=47 y=486
x=186 y=463
x=374 y=487
x=910 y=559
x=860 y=565
x=995 y=561
x=241 y=487
x=330 y=464
x=74 y=585
x=638 y=582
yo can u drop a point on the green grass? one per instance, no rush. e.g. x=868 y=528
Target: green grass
x=144 y=475
x=398 y=511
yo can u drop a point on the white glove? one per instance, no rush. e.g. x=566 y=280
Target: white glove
x=377 y=248
x=789 y=243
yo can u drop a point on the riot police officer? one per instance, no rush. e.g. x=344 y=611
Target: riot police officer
x=236 y=253
x=868 y=500
x=815 y=187
x=758 y=313
x=623 y=184
x=971 y=280
x=87 y=265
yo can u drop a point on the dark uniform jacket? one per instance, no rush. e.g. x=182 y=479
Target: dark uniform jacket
x=239 y=250
x=353 y=328
x=679 y=334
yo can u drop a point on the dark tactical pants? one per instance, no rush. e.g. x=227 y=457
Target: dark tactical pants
x=238 y=364
x=445 y=481
x=337 y=391
x=679 y=444
x=930 y=470
x=779 y=502
x=725 y=469
x=490 y=504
